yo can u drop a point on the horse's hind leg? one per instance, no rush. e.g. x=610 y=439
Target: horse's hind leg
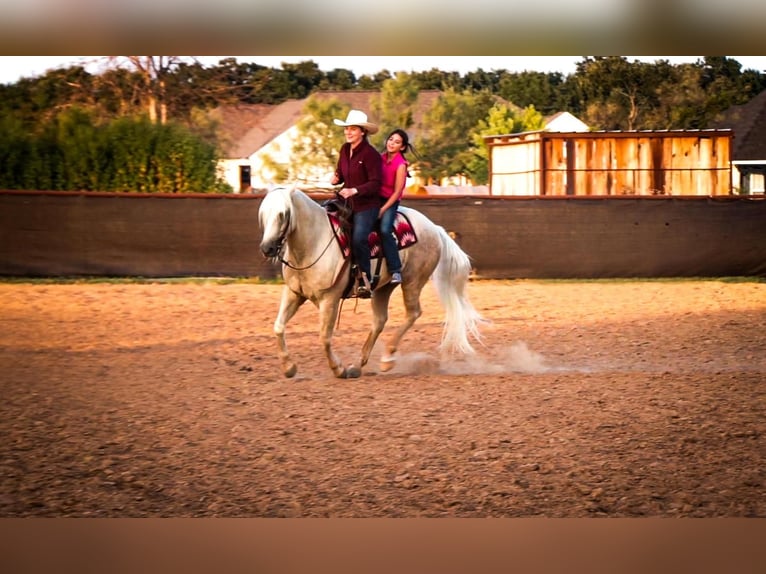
x=288 y=306
x=412 y=310
x=380 y=298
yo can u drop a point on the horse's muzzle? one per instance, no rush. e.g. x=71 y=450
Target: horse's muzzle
x=270 y=248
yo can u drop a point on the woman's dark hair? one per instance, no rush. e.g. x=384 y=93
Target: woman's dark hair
x=406 y=145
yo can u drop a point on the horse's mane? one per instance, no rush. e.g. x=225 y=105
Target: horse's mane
x=277 y=201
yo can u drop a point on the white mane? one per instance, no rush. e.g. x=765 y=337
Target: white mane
x=276 y=203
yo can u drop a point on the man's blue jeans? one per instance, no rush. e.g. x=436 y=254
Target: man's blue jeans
x=363 y=224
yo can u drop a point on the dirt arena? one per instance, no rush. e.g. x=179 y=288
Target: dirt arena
x=607 y=398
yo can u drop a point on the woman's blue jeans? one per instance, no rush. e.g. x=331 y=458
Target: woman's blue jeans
x=388 y=241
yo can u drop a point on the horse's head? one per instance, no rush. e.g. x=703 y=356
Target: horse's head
x=275 y=221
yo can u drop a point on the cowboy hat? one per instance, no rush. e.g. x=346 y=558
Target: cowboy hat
x=357 y=118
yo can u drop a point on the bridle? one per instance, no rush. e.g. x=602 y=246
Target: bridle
x=281 y=245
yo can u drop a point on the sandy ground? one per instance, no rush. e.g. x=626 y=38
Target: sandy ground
x=587 y=399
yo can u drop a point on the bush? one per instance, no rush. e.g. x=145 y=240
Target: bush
x=73 y=153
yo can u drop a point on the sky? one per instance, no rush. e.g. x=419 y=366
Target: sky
x=13 y=68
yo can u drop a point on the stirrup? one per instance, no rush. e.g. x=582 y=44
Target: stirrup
x=363 y=292
x=363 y=289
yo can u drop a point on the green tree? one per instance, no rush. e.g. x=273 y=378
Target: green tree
x=501 y=119
x=680 y=100
x=435 y=79
x=617 y=93
x=726 y=85
x=130 y=143
x=153 y=72
x=80 y=151
x=181 y=163
x=445 y=146
x=117 y=93
x=17 y=159
x=338 y=79
x=394 y=107
x=539 y=89
x=305 y=78
x=129 y=154
x=479 y=80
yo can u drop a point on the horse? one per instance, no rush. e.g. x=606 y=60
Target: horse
x=296 y=230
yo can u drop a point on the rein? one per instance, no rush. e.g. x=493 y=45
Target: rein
x=283 y=238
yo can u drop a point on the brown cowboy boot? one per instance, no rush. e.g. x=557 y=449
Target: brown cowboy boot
x=363 y=289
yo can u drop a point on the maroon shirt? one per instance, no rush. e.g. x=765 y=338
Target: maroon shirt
x=363 y=170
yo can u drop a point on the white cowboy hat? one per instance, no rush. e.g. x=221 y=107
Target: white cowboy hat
x=357 y=118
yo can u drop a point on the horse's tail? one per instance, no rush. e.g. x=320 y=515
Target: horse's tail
x=451 y=278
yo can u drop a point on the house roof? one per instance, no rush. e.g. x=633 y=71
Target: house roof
x=236 y=121
x=246 y=129
x=747 y=121
x=243 y=135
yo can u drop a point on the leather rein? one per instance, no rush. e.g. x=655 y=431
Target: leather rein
x=281 y=244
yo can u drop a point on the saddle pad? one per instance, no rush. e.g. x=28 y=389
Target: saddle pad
x=403 y=231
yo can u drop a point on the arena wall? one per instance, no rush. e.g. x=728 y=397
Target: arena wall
x=55 y=234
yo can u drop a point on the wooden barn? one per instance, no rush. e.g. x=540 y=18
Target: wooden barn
x=676 y=162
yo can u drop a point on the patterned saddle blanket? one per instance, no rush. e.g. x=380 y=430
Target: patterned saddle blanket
x=405 y=235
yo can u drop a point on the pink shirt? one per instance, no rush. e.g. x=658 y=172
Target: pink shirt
x=389 y=173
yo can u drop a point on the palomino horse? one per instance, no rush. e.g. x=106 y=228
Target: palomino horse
x=297 y=232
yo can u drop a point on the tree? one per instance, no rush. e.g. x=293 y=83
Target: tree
x=16 y=152
x=367 y=82
x=539 y=89
x=479 y=80
x=501 y=119
x=725 y=85
x=394 y=108
x=680 y=100
x=435 y=79
x=153 y=72
x=617 y=93
x=447 y=130
x=338 y=79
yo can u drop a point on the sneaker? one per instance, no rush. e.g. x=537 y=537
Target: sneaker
x=396 y=278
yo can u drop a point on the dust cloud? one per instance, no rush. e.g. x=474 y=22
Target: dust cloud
x=518 y=358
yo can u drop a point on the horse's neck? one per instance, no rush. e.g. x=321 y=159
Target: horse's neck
x=311 y=230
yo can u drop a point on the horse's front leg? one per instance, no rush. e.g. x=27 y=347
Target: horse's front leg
x=288 y=306
x=328 y=313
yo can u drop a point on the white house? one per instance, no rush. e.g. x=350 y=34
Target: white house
x=253 y=134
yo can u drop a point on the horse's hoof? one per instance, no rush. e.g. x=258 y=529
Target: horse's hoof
x=352 y=372
x=291 y=370
x=387 y=363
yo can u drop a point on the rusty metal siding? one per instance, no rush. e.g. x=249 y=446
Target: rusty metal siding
x=691 y=162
